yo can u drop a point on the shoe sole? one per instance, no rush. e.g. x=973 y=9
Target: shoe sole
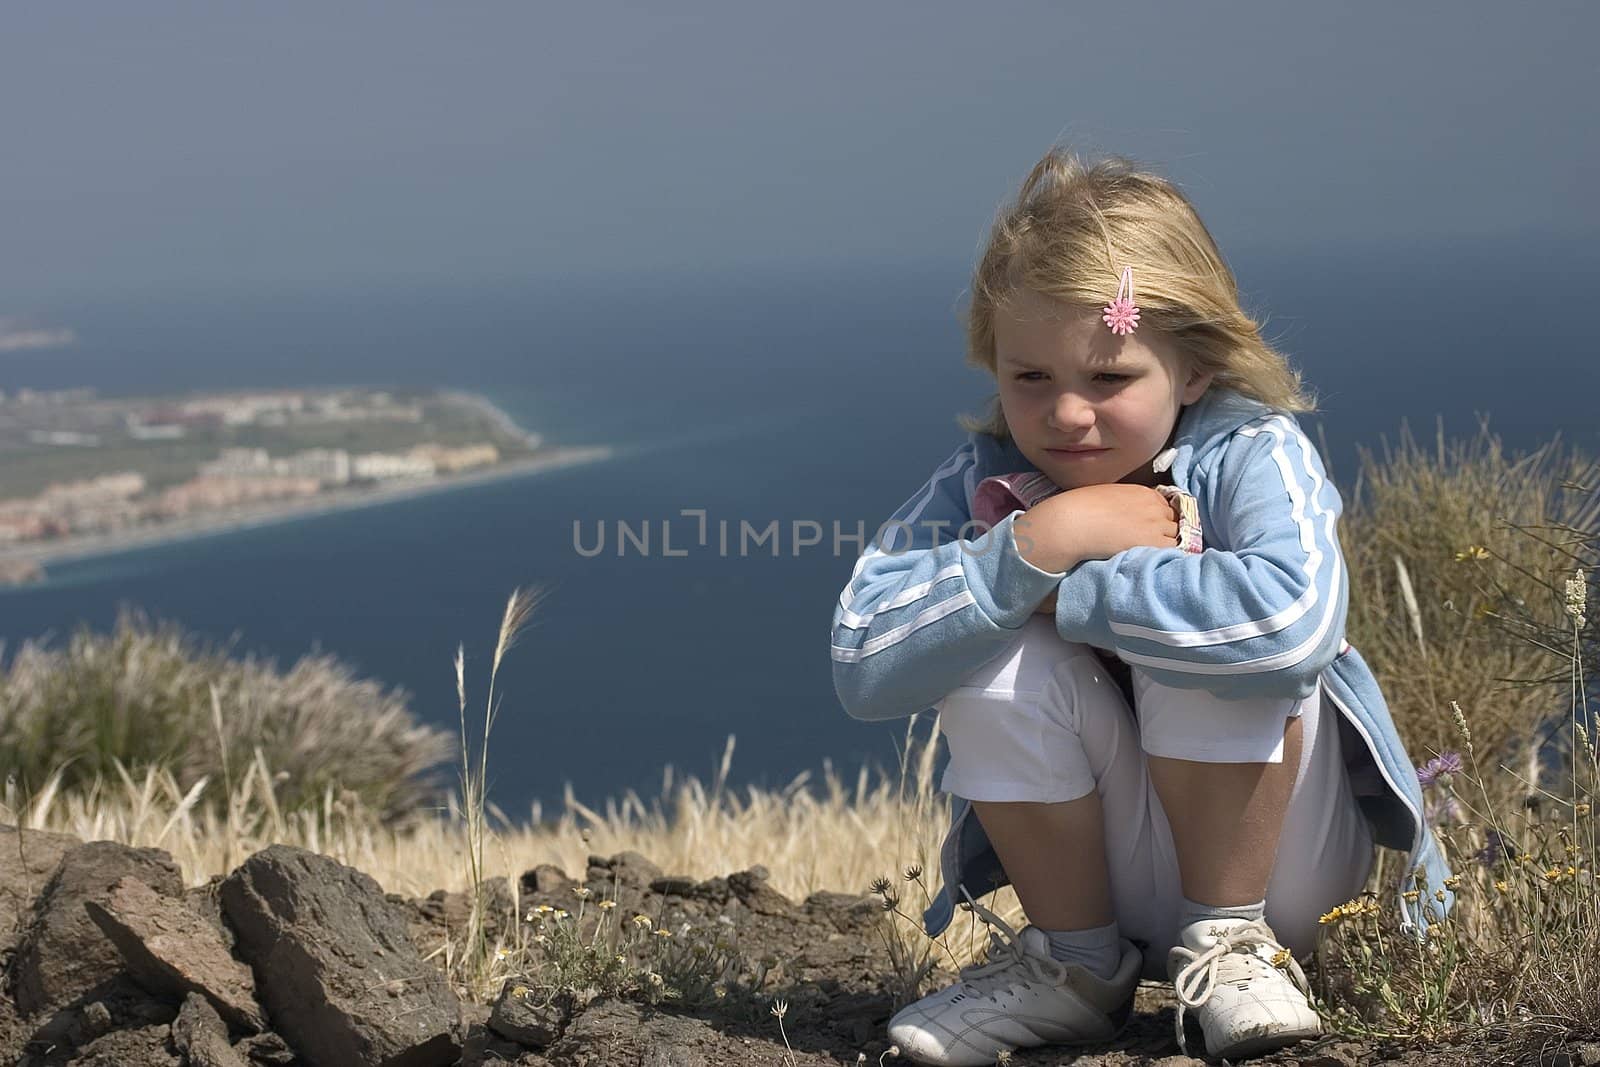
x=1253 y=1044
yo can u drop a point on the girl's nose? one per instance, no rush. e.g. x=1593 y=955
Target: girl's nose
x=1071 y=414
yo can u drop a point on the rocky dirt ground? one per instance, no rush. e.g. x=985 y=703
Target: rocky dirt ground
x=294 y=959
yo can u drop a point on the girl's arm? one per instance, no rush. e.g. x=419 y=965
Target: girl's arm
x=923 y=609
x=1262 y=616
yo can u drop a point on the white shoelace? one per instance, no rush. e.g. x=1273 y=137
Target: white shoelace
x=1005 y=954
x=1230 y=959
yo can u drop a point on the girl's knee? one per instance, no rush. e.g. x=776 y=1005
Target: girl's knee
x=1035 y=656
x=1195 y=725
x=1013 y=726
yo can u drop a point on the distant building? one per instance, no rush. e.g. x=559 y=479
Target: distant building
x=238 y=463
x=64 y=437
x=107 y=487
x=377 y=466
x=213 y=493
x=140 y=430
x=330 y=466
x=458 y=459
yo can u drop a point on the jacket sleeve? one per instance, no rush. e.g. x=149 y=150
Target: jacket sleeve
x=1262 y=613
x=929 y=602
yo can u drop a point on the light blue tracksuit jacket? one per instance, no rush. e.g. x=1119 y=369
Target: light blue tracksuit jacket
x=1259 y=613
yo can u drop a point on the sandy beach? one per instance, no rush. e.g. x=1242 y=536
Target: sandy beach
x=19 y=558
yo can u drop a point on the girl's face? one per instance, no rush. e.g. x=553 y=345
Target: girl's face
x=1085 y=405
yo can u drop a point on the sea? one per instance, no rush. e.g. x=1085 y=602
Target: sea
x=800 y=394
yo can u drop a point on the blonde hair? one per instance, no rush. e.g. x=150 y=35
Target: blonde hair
x=1068 y=235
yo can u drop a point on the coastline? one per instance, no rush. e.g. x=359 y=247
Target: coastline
x=279 y=511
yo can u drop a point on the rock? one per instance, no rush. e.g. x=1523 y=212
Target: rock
x=335 y=965
x=482 y=1046
x=143 y=1046
x=848 y=913
x=525 y=1017
x=753 y=891
x=673 y=885
x=453 y=910
x=27 y=858
x=90 y=1022
x=625 y=868
x=546 y=880
x=206 y=902
x=173 y=952
x=1588 y=1053
x=614 y=1032
x=64 y=955
x=712 y=891
x=1340 y=1055
x=200 y=1034
x=266 y=1050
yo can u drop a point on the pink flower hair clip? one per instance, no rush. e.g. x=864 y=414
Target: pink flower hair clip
x=1122 y=315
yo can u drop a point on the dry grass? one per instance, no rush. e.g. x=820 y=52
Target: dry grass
x=1458 y=559
x=147 y=695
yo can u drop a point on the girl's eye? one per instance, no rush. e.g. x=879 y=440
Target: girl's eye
x=1105 y=376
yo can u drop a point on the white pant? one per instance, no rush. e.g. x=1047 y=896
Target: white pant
x=1045 y=722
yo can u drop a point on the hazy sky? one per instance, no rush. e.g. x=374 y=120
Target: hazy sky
x=155 y=144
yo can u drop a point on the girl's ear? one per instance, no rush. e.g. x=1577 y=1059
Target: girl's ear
x=1195 y=387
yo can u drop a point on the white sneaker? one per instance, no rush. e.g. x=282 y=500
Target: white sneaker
x=1019 y=997
x=1246 y=989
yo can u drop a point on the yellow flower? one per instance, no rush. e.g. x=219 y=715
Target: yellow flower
x=1411 y=895
x=1553 y=874
x=1332 y=917
x=653 y=978
x=607 y=905
x=663 y=932
x=519 y=991
x=1582 y=809
x=1453 y=882
x=1472 y=552
x=1502 y=887
x=500 y=955
x=1524 y=859
x=544 y=909
x=1280 y=959
x=643 y=920
x=1572 y=872
x=581 y=892
x=1438 y=894
x=621 y=959
x=561 y=913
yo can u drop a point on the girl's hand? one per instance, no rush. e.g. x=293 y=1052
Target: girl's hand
x=1094 y=522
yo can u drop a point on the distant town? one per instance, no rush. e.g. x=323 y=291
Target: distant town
x=81 y=473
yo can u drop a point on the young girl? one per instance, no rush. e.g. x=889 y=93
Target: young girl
x=1157 y=732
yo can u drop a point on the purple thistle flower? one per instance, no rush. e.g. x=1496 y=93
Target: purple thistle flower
x=1443 y=766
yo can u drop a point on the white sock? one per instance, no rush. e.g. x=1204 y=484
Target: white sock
x=1097 y=950
x=1191 y=912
